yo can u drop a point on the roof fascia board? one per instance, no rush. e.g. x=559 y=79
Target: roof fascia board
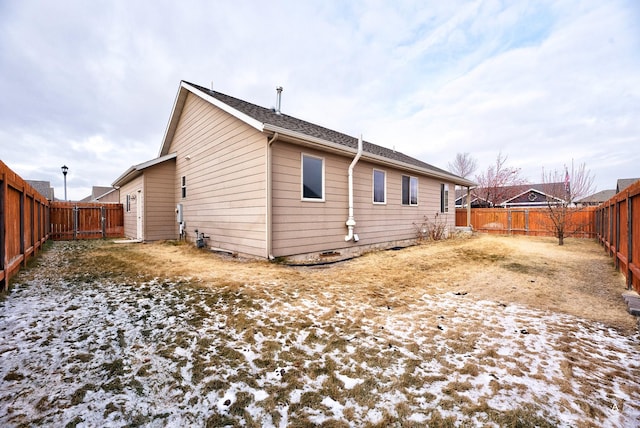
x=532 y=189
x=136 y=170
x=319 y=143
x=169 y=132
x=417 y=169
x=225 y=107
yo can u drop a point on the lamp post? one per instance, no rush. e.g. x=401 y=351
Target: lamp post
x=64 y=172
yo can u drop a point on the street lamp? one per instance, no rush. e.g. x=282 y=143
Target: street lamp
x=64 y=172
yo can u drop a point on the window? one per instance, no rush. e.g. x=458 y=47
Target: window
x=312 y=178
x=379 y=187
x=409 y=190
x=128 y=204
x=444 y=198
x=183 y=187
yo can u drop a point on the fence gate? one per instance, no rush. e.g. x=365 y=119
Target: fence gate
x=86 y=220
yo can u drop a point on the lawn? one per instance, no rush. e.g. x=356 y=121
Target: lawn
x=486 y=331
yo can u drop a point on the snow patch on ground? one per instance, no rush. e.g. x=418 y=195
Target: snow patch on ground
x=159 y=353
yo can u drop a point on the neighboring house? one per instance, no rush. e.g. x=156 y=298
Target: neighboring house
x=254 y=181
x=103 y=194
x=43 y=187
x=623 y=183
x=525 y=195
x=597 y=198
x=476 y=202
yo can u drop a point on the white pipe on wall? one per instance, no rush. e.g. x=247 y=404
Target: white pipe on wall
x=351 y=221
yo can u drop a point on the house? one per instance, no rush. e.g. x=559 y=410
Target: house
x=238 y=177
x=623 y=183
x=102 y=194
x=525 y=195
x=43 y=187
x=597 y=198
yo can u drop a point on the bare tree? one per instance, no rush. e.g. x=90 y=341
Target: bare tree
x=562 y=213
x=494 y=182
x=463 y=165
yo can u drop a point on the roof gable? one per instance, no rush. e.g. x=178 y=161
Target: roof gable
x=135 y=170
x=268 y=120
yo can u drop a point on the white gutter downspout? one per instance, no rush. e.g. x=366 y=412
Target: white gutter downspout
x=351 y=222
x=269 y=197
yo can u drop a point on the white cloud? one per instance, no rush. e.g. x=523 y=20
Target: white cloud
x=544 y=82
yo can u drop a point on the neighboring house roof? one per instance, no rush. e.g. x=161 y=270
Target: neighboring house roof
x=623 y=183
x=598 y=197
x=135 y=170
x=97 y=193
x=523 y=195
x=43 y=187
x=268 y=120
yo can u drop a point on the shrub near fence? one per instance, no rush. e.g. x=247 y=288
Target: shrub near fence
x=24 y=220
x=528 y=221
x=618 y=230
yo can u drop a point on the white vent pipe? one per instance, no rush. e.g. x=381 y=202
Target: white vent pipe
x=278 y=99
x=351 y=222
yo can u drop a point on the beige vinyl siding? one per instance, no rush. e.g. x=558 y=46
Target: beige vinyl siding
x=378 y=223
x=301 y=227
x=225 y=178
x=159 y=213
x=307 y=226
x=130 y=219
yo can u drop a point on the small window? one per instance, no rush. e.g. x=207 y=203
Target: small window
x=183 y=186
x=444 y=198
x=312 y=178
x=128 y=203
x=379 y=187
x=409 y=190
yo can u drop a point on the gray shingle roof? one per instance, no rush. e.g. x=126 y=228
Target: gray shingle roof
x=623 y=183
x=269 y=116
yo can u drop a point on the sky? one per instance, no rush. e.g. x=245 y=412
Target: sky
x=91 y=85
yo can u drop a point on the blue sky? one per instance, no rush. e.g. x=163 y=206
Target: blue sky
x=91 y=84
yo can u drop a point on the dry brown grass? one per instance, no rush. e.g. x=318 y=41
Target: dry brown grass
x=577 y=278
x=439 y=334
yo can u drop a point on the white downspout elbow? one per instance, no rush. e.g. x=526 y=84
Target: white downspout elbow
x=351 y=221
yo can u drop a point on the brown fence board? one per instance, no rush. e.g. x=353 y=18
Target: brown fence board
x=617 y=225
x=86 y=220
x=528 y=221
x=23 y=223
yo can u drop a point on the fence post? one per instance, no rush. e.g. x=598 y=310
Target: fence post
x=4 y=281
x=103 y=214
x=22 y=229
x=617 y=260
x=526 y=222
x=629 y=241
x=75 y=222
x=611 y=214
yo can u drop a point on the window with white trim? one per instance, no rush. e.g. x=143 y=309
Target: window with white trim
x=183 y=186
x=128 y=203
x=312 y=178
x=409 y=190
x=379 y=187
x=444 y=198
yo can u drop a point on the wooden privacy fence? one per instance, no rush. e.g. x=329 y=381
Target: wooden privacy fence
x=24 y=220
x=86 y=220
x=618 y=230
x=528 y=221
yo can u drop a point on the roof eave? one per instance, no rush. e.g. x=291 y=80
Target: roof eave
x=319 y=143
x=136 y=170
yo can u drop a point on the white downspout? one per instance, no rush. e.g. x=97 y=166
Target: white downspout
x=351 y=222
x=269 y=215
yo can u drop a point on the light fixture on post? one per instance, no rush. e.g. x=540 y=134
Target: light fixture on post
x=65 y=169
